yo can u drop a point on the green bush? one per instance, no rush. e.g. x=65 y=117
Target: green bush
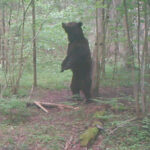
x=14 y=110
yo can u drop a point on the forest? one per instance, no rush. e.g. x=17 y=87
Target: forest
x=37 y=108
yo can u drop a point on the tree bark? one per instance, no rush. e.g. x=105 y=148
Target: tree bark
x=96 y=60
x=0 y=43
x=103 y=49
x=131 y=57
x=139 y=66
x=116 y=43
x=99 y=50
x=16 y=86
x=3 y=37
x=34 y=45
x=144 y=60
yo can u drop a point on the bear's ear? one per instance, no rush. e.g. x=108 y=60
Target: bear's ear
x=63 y=25
x=80 y=24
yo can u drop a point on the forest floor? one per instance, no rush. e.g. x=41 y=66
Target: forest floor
x=53 y=130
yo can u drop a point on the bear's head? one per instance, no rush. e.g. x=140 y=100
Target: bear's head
x=73 y=30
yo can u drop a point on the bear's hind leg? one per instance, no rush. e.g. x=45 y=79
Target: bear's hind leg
x=86 y=89
x=75 y=88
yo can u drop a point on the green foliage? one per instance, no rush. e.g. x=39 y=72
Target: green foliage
x=119 y=107
x=51 y=40
x=146 y=127
x=134 y=136
x=14 y=110
x=48 y=139
x=46 y=136
x=122 y=77
x=105 y=117
x=48 y=72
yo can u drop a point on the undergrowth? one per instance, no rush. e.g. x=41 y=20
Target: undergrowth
x=134 y=136
x=14 y=111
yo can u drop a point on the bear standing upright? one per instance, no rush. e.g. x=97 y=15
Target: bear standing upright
x=78 y=59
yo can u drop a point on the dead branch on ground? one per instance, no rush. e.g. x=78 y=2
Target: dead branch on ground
x=68 y=143
x=42 y=105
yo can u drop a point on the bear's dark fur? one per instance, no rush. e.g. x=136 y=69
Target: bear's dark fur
x=78 y=59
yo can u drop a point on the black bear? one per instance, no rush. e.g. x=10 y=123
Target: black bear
x=78 y=59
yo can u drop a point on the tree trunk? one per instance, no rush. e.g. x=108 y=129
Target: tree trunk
x=116 y=43
x=116 y=51
x=34 y=45
x=144 y=60
x=99 y=50
x=3 y=37
x=0 y=44
x=139 y=67
x=96 y=59
x=130 y=48
x=130 y=59
x=103 y=49
x=16 y=86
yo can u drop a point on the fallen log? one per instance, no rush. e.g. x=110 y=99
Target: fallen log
x=42 y=105
x=61 y=106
